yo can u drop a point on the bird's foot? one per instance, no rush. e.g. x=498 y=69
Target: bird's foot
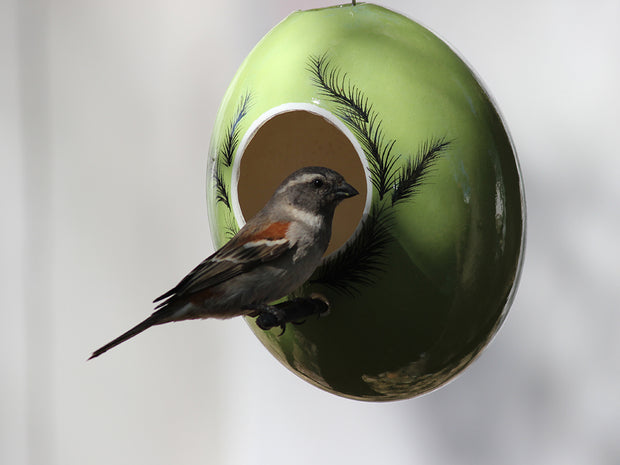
x=270 y=316
x=291 y=311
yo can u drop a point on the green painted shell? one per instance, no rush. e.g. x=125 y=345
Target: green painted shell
x=429 y=274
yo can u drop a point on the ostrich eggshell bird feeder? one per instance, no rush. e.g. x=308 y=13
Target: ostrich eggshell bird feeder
x=423 y=264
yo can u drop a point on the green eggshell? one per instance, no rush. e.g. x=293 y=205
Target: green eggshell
x=453 y=250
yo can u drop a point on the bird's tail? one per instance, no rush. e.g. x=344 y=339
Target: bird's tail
x=157 y=318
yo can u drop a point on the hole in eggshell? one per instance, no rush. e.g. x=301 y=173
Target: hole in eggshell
x=291 y=137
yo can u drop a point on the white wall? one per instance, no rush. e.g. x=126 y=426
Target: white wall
x=106 y=110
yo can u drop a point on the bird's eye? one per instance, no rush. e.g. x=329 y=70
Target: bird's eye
x=317 y=182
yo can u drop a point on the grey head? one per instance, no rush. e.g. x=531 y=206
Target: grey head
x=315 y=189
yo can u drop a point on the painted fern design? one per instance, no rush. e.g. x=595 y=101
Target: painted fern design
x=221 y=191
x=228 y=149
x=412 y=175
x=231 y=228
x=231 y=138
x=338 y=88
x=355 y=265
x=354 y=108
x=358 y=263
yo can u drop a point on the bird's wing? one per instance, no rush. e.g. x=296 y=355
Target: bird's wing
x=248 y=249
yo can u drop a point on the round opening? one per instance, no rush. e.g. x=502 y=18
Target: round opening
x=291 y=137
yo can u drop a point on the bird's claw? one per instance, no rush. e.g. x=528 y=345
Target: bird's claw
x=291 y=311
x=270 y=316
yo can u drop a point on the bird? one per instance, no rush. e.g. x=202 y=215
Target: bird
x=271 y=256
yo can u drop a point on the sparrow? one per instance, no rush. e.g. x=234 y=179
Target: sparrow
x=272 y=255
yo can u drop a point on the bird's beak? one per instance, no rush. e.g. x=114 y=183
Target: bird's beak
x=344 y=191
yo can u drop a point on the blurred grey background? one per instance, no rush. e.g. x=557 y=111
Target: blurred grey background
x=106 y=110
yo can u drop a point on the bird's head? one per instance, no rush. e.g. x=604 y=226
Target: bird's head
x=315 y=189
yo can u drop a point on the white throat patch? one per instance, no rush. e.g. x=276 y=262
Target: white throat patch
x=311 y=219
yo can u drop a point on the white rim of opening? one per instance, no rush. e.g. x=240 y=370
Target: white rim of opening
x=288 y=108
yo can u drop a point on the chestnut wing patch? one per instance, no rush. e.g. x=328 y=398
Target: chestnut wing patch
x=243 y=253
